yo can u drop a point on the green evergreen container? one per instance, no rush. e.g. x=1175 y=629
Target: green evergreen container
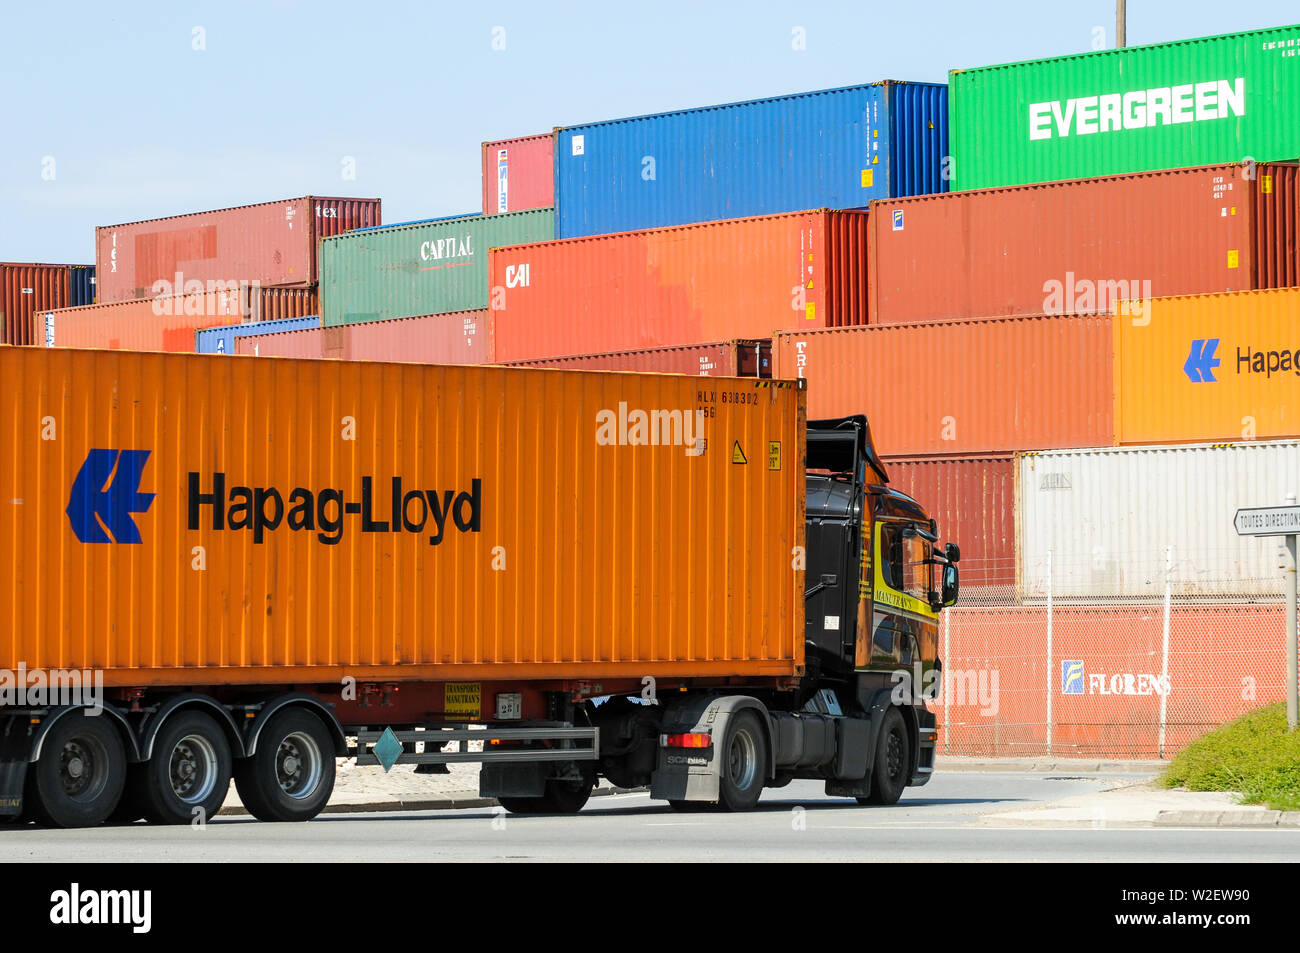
x=419 y=268
x=1202 y=101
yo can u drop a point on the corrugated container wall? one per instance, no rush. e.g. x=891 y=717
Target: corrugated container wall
x=1076 y=247
x=1206 y=368
x=26 y=290
x=973 y=499
x=167 y=324
x=604 y=585
x=833 y=148
x=462 y=337
x=1108 y=516
x=1000 y=384
x=221 y=340
x=675 y=286
x=83 y=285
x=273 y=243
x=518 y=174
x=419 y=269
x=281 y=304
x=1191 y=102
x=725 y=359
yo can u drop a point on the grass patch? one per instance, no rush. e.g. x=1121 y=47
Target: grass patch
x=1254 y=755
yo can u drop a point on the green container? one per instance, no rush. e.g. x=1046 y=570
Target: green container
x=405 y=271
x=1193 y=102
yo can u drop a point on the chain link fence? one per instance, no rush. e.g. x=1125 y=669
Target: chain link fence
x=1059 y=668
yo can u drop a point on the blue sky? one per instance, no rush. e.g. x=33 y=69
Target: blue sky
x=139 y=123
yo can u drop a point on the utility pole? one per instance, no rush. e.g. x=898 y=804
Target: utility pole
x=1120 y=18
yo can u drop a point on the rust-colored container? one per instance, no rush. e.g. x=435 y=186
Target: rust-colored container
x=162 y=324
x=689 y=284
x=518 y=174
x=552 y=549
x=26 y=290
x=281 y=304
x=1077 y=247
x=726 y=359
x=461 y=337
x=973 y=499
x=989 y=385
x=273 y=243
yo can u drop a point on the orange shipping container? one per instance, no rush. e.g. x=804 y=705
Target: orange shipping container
x=147 y=324
x=977 y=386
x=287 y=521
x=688 y=284
x=1207 y=368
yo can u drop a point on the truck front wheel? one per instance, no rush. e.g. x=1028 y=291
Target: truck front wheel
x=893 y=762
x=81 y=772
x=745 y=766
x=291 y=775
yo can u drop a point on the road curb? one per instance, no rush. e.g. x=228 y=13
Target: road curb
x=1073 y=766
x=466 y=802
x=1288 y=819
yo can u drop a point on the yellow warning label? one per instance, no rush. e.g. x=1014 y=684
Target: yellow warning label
x=1266 y=184
x=810 y=311
x=737 y=455
x=1232 y=258
x=774 y=454
x=462 y=698
x=875 y=160
x=867 y=176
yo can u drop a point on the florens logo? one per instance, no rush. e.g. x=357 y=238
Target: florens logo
x=1138 y=109
x=259 y=509
x=106 y=493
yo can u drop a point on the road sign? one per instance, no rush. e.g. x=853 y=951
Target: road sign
x=1268 y=521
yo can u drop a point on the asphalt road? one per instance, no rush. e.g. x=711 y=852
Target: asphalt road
x=936 y=823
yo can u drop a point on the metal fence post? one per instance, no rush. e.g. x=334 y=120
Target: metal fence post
x=945 y=681
x=1164 y=651
x=1049 y=651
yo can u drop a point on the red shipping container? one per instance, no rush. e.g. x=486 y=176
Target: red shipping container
x=973 y=499
x=156 y=324
x=989 y=385
x=518 y=174
x=1077 y=247
x=461 y=337
x=726 y=359
x=279 y=304
x=688 y=284
x=273 y=243
x=25 y=290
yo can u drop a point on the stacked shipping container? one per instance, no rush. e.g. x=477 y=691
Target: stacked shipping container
x=26 y=290
x=518 y=174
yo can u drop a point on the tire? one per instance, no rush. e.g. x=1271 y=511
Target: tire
x=744 y=764
x=189 y=773
x=560 y=797
x=79 y=778
x=893 y=761
x=291 y=775
x=523 y=805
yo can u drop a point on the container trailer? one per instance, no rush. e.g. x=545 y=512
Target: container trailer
x=266 y=564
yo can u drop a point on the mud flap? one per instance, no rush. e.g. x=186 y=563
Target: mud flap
x=15 y=749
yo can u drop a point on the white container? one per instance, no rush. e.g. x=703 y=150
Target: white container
x=1097 y=523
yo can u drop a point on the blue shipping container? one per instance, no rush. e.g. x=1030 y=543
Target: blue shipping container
x=83 y=285
x=835 y=148
x=222 y=340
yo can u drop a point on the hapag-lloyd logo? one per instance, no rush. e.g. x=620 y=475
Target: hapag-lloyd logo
x=106 y=493
x=439 y=249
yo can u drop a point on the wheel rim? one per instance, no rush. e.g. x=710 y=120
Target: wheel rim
x=741 y=760
x=895 y=754
x=83 y=768
x=298 y=765
x=193 y=769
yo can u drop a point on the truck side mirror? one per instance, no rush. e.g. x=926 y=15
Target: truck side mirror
x=952 y=552
x=950 y=585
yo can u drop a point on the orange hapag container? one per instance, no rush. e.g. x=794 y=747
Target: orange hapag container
x=994 y=384
x=282 y=521
x=1208 y=368
x=688 y=284
x=147 y=324
x=458 y=337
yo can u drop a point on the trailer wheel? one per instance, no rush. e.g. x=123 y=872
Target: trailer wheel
x=79 y=778
x=291 y=775
x=893 y=762
x=559 y=797
x=745 y=752
x=189 y=773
